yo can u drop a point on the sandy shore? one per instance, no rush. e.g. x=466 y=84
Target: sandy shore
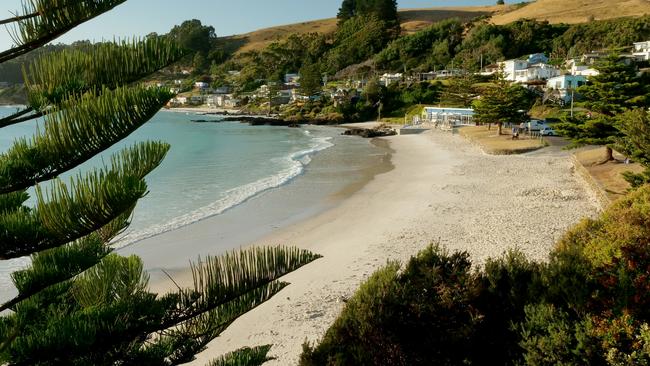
x=442 y=189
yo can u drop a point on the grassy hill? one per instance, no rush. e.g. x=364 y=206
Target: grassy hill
x=575 y=11
x=413 y=20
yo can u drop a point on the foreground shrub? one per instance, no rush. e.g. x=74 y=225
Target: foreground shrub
x=424 y=313
x=588 y=305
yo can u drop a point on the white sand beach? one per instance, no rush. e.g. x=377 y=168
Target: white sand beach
x=442 y=190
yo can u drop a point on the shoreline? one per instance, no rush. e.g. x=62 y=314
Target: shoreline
x=441 y=190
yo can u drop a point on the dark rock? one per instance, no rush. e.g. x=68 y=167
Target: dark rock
x=370 y=133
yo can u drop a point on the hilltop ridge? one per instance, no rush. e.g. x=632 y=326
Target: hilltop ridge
x=413 y=20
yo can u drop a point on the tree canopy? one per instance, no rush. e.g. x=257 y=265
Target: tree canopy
x=78 y=302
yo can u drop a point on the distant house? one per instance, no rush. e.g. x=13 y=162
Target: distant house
x=536 y=72
x=292 y=80
x=592 y=58
x=196 y=100
x=642 y=51
x=537 y=58
x=388 y=79
x=490 y=70
x=222 y=90
x=186 y=72
x=449 y=73
x=201 y=85
x=565 y=84
x=510 y=68
x=427 y=76
x=234 y=73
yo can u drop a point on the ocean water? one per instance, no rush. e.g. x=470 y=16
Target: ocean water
x=213 y=168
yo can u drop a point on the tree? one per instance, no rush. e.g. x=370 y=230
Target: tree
x=501 y=2
x=502 y=103
x=635 y=142
x=616 y=89
x=385 y=10
x=310 y=79
x=460 y=91
x=79 y=303
x=193 y=35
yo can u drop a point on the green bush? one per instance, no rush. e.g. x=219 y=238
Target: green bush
x=588 y=305
x=424 y=313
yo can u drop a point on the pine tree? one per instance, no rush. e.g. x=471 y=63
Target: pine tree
x=502 y=103
x=310 y=79
x=635 y=142
x=616 y=89
x=78 y=303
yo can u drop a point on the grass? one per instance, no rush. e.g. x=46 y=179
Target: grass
x=607 y=176
x=412 y=20
x=500 y=145
x=576 y=11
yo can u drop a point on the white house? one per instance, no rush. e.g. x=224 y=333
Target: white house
x=564 y=84
x=388 y=79
x=427 y=76
x=536 y=72
x=510 y=68
x=642 y=51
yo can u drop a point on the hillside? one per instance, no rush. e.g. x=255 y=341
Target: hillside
x=413 y=20
x=576 y=11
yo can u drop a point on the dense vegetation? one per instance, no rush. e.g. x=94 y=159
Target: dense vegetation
x=587 y=306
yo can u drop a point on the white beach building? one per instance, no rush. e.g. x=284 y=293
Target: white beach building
x=448 y=116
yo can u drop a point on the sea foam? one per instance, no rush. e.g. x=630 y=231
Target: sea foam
x=294 y=165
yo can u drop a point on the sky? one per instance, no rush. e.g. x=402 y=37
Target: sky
x=228 y=17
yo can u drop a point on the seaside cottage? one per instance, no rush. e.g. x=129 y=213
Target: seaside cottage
x=565 y=84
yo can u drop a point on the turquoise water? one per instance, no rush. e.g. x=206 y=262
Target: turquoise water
x=210 y=169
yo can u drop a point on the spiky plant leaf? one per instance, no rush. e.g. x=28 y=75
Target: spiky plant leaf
x=82 y=128
x=10 y=202
x=244 y=357
x=54 y=77
x=66 y=213
x=221 y=279
x=63 y=263
x=42 y=21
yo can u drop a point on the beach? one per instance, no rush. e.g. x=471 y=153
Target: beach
x=441 y=189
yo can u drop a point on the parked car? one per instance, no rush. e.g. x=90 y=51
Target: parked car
x=535 y=125
x=547 y=131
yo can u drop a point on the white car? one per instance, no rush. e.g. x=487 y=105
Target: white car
x=547 y=131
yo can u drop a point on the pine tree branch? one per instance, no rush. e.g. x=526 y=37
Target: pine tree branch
x=79 y=130
x=54 y=18
x=64 y=214
x=56 y=76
